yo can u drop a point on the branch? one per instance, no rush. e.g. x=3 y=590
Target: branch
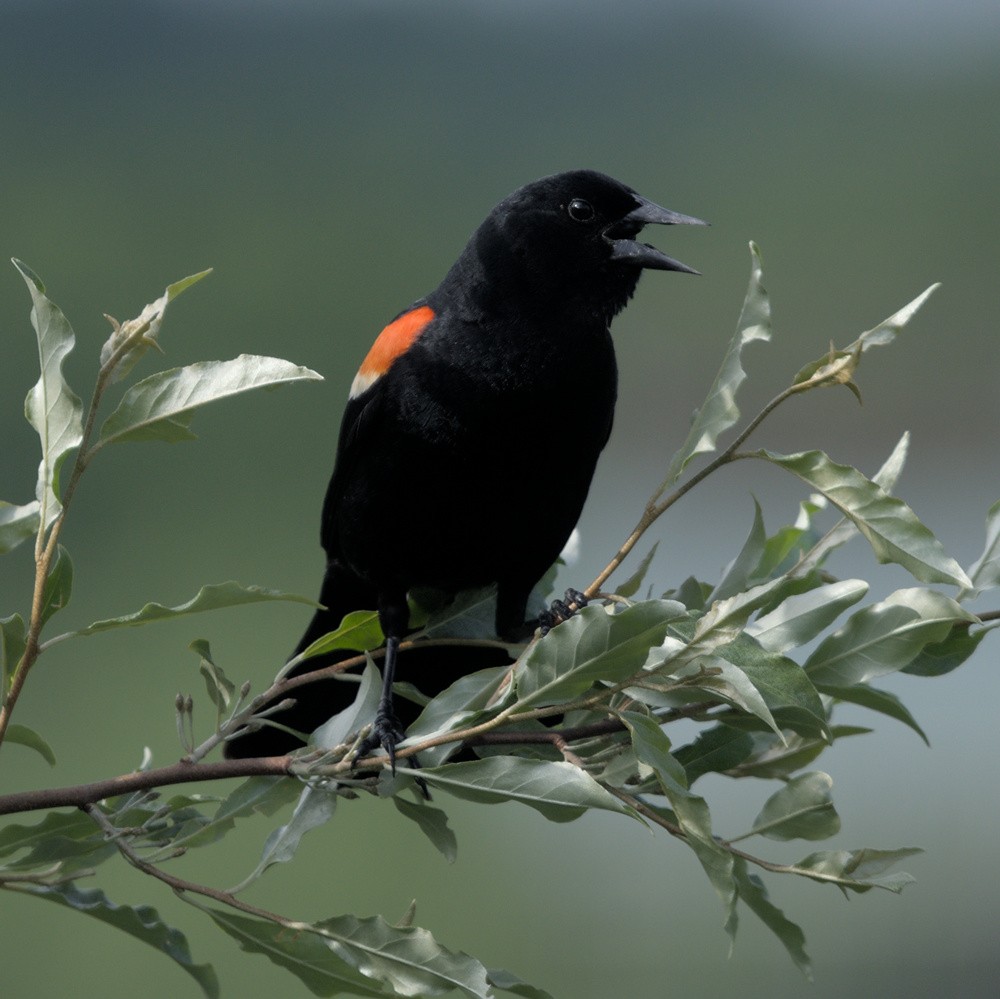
x=182 y=772
x=654 y=510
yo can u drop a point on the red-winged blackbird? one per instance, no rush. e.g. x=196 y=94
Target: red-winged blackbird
x=473 y=427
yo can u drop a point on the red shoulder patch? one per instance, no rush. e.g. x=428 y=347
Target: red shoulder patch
x=393 y=341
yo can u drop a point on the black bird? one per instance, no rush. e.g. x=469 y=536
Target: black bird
x=473 y=427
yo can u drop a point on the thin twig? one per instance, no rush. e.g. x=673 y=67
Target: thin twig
x=655 y=507
x=179 y=885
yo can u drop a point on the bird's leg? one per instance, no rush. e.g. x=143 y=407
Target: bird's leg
x=386 y=730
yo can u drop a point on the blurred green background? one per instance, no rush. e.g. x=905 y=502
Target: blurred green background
x=329 y=160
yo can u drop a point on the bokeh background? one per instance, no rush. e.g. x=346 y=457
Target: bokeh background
x=329 y=160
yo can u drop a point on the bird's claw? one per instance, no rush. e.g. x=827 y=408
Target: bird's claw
x=387 y=733
x=562 y=610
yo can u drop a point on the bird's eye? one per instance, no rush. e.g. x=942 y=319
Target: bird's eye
x=580 y=210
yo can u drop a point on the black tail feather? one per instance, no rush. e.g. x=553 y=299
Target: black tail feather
x=431 y=670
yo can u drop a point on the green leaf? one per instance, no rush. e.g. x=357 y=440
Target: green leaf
x=51 y=407
x=458 y=706
x=408 y=959
x=304 y=954
x=507 y=982
x=591 y=646
x=359 y=956
x=939 y=658
x=12 y=646
x=631 y=585
x=161 y=407
x=255 y=796
x=883 y=638
x=316 y=806
x=754 y=894
x=857 y=870
x=719 y=410
x=142 y=922
x=877 y=700
x=560 y=791
x=802 y=617
x=985 y=571
x=714 y=751
x=889 y=525
x=787 y=691
x=58 y=585
x=721 y=677
x=214 y=596
x=17 y=524
x=737 y=575
x=470 y=615
x=889 y=329
x=359 y=630
x=802 y=809
x=432 y=822
x=141 y=333
x=845 y=529
x=652 y=747
x=24 y=736
x=55 y=828
x=220 y=688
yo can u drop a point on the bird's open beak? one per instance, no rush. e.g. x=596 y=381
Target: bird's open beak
x=629 y=250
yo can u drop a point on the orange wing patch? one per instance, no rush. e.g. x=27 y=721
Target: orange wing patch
x=393 y=341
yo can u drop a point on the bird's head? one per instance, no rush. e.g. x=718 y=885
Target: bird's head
x=574 y=235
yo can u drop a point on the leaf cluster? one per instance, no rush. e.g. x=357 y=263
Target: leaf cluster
x=760 y=660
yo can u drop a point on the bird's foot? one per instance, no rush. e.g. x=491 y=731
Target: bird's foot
x=387 y=733
x=562 y=610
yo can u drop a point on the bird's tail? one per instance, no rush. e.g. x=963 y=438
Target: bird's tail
x=343 y=591
x=430 y=669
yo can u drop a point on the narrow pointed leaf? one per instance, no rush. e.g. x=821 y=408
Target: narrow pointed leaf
x=889 y=329
x=857 y=870
x=255 y=796
x=315 y=807
x=12 y=645
x=51 y=407
x=17 y=524
x=719 y=410
x=507 y=982
x=738 y=573
x=652 y=747
x=161 y=407
x=881 y=701
x=214 y=596
x=888 y=524
x=631 y=585
x=58 y=584
x=754 y=894
x=843 y=531
x=142 y=922
x=800 y=618
x=358 y=630
x=939 y=658
x=985 y=571
x=591 y=646
x=305 y=954
x=884 y=638
x=432 y=822
x=144 y=329
x=715 y=750
x=560 y=791
x=24 y=736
